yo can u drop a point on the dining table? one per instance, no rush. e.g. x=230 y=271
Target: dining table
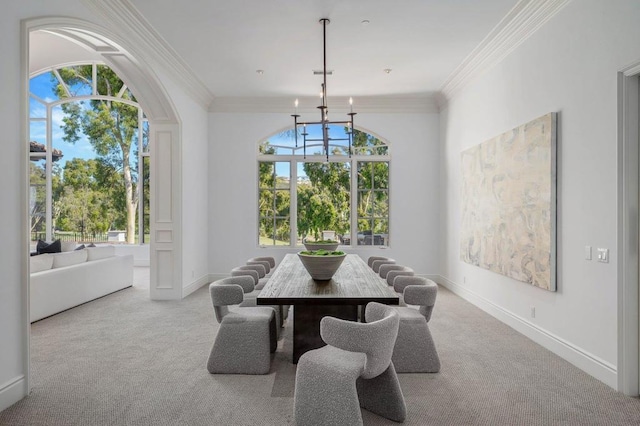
x=353 y=286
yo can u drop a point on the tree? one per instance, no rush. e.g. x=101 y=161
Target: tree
x=88 y=202
x=316 y=211
x=37 y=204
x=333 y=181
x=37 y=201
x=324 y=202
x=110 y=126
x=273 y=200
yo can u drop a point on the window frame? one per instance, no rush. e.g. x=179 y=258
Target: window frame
x=48 y=106
x=293 y=160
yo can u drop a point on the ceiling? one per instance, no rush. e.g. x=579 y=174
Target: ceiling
x=225 y=42
x=221 y=44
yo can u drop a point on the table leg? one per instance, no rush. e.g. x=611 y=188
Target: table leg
x=306 y=325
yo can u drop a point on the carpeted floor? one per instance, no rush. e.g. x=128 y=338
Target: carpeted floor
x=127 y=360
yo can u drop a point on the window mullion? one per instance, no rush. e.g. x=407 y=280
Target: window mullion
x=48 y=178
x=94 y=79
x=140 y=179
x=293 y=203
x=274 y=204
x=354 y=202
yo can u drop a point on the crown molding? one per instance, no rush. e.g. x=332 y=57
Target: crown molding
x=519 y=24
x=340 y=104
x=149 y=45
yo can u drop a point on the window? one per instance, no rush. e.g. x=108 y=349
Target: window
x=373 y=203
x=305 y=194
x=274 y=201
x=89 y=156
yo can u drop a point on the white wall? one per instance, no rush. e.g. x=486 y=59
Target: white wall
x=13 y=313
x=570 y=66
x=233 y=193
x=13 y=264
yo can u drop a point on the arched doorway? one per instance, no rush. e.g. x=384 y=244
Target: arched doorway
x=100 y=45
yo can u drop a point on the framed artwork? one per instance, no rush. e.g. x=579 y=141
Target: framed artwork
x=508 y=203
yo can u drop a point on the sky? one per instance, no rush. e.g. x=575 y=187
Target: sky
x=42 y=87
x=314 y=132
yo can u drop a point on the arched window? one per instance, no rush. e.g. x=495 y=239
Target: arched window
x=308 y=192
x=89 y=157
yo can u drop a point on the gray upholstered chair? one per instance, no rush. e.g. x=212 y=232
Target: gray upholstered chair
x=246 y=337
x=385 y=268
x=259 y=267
x=247 y=279
x=354 y=370
x=415 y=351
x=271 y=260
x=251 y=270
x=375 y=265
x=401 y=271
x=372 y=259
x=265 y=263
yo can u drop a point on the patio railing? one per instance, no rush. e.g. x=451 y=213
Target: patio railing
x=80 y=237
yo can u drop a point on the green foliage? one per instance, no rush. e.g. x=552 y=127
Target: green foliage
x=322 y=253
x=373 y=196
x=316 y=212
x=324 y=201
x=274 y=200
x=112 y=129
x=37 y=182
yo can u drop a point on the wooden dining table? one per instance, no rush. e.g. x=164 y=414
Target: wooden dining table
x=353 y=286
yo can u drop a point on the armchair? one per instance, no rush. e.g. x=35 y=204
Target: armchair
x=354 y=370
x=415 y=350
x=246 y=337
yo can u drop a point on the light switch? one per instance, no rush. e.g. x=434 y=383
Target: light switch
x=603 y=255
x=587 y=252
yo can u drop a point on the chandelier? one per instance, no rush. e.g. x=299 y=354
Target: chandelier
x=324 y=110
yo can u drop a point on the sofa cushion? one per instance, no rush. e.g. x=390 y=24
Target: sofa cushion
x=68 y=245
x=100 y=252
x=69 y=258
x=40 y=263
x=44 y=247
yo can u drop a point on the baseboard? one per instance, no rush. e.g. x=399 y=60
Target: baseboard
x=12 y=392
x=190 y=288
x=591 y=364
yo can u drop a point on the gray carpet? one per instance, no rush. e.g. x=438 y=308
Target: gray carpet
x=126 y=360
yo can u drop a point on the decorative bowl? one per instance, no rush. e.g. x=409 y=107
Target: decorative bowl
x=321 y=264
x=321 y=245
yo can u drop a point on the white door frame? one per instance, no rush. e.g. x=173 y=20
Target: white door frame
x=628 y=225
x=165 y=140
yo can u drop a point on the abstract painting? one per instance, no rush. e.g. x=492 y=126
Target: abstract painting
x=508 y=203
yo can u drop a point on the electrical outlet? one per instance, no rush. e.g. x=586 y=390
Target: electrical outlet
x=193 y=273
x=533 y=312
x=464 y=279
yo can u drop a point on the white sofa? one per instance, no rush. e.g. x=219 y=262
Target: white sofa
x=63 y=280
